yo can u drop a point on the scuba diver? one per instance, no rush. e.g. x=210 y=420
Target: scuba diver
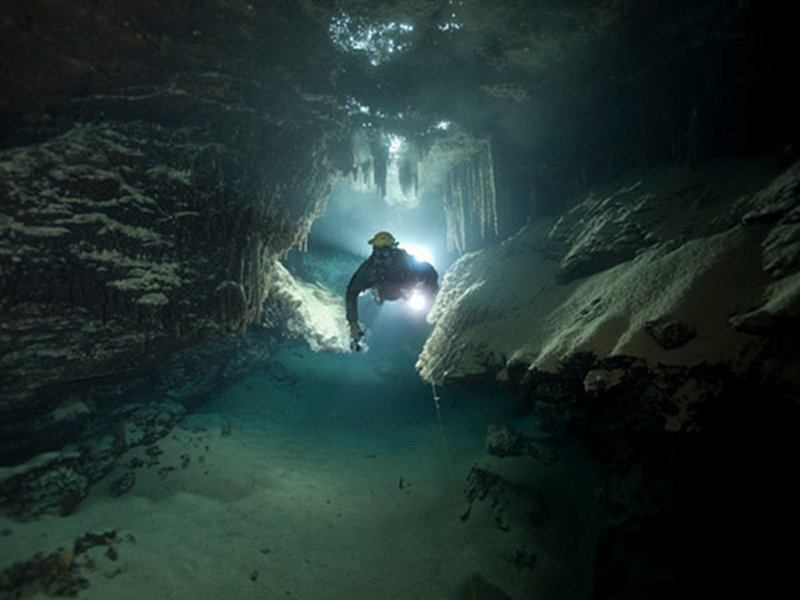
x=391 y=273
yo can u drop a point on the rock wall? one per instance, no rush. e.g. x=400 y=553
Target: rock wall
x=675 y=266
x=124 y=239
x=308 y=311
x=148 y=188
x=653 y=323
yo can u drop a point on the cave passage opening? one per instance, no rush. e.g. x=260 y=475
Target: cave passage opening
x=349 y=451
x=401 y=196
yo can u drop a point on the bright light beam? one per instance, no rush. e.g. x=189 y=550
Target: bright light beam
x=417 y=301
x=418 y=252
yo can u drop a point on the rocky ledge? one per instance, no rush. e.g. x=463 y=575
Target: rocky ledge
x=678 y=267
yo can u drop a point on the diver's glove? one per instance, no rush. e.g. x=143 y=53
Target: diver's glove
x=356 y=333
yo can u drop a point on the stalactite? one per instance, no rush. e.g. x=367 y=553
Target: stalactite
x=407 y=174
x=492 y=190
x=387 y=164
x=470 y=198
x=406 y=164
x=366 y=171
x=380 y=160
x=302 y=242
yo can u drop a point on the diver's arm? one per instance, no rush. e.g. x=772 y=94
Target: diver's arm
x=358 y=283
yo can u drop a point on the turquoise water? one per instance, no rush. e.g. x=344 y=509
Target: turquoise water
x=337 y=476
x=372 y=402
x=357 y=474
x=356 y=442
x=355 y=463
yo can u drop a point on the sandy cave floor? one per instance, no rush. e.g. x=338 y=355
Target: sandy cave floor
x=323 y=477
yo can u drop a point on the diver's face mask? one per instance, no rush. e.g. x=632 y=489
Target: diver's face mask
x=383 y=254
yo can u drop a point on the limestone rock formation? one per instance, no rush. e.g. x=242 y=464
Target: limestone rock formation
x=56 y=482
x=147 y=191
x=508 y=501
x=511 y=305
x=503 y=441
x=306 y=310
x=118 y=236
x=60 y=573
x=663 y=339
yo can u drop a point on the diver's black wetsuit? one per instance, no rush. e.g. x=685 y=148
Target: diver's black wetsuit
x=391 y=276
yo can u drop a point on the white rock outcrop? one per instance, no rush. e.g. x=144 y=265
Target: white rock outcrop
x=701 y=266
x=307 y=310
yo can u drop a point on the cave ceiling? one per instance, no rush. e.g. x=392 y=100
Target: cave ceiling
x=530 y=72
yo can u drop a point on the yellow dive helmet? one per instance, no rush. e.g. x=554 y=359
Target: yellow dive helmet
x=383 y=239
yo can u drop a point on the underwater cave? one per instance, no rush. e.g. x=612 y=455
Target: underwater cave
x=579 y=381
